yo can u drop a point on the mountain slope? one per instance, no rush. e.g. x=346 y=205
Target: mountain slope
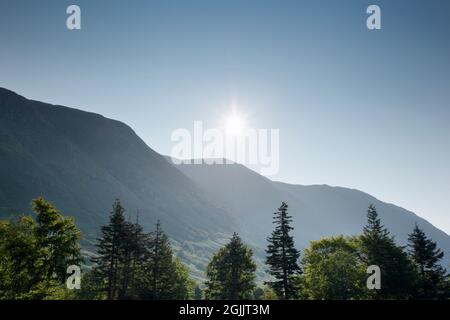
x=318 y=210
x=82 y=161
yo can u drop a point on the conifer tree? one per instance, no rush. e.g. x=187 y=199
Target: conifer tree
x=198 y=293
x=378 y=248
x=160 y=267
x=110 y=251
x=231 y=272
x=431 y=276
x=132 y=260
x=282 y=257
x=134 y=265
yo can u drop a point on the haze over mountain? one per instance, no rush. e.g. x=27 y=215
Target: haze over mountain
x=82 y=161
x=318 y=210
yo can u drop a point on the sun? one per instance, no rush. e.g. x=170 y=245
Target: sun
x=235 y=123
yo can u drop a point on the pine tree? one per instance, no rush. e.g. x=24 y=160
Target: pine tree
x=134 y=265
x=198 y=293
x=431 y=276
x=282 y=256
x=160 y=267
x=110 y=251
x=378 y=248
x=374 y=228
x=231 y=272
x=132 y=261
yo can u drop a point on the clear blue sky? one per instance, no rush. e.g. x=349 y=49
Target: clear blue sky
x=356 y=108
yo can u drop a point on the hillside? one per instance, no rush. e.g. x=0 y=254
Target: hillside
x=82 y=161
x=318 y=210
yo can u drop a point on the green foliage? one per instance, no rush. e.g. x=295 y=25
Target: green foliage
x=91 y=287
x=264 y=293
x=111 y=250
x=333 y=270
x=378 y=247
x=20 y=263
x=258 y=293
x=198 y=293
x=269 y=294
x=160 y=267
x=134 y=265
x=231 y=272
x=58 y=239
x=36 y=254
x=131 y=264
x=282 y=257
x=185 y=287
x=431 y=278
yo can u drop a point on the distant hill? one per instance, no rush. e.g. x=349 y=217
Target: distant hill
x=318 y=210
x=82 y=161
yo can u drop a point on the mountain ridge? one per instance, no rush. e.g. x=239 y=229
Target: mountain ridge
x=310 y=205
x=81 y=161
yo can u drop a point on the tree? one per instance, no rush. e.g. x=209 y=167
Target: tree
x=160 y=267
x=35 y=255
x=58 y=237
x=333 y=270
x=91 y=287
x=164 y=277
x=185 y=288
x=134 y=265
x=377 y=247
x=282 y=256
x=431 y=276
x=20 y=263
x=132 y=261
x=269 y=294
x=198 y=293
x=258 y=293
x=110 y=251
x=231 y=272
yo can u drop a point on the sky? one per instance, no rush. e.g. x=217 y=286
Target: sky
x=362 y=109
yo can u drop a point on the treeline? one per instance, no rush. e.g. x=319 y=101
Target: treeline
x=132 y=264
x=332 y=268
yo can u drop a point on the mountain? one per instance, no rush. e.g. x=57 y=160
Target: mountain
x=82 y=161
x=318 y=210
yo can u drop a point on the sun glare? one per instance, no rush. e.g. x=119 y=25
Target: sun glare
x=235 y=124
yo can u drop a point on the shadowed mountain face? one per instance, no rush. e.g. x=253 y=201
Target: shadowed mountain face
x=82 y=161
